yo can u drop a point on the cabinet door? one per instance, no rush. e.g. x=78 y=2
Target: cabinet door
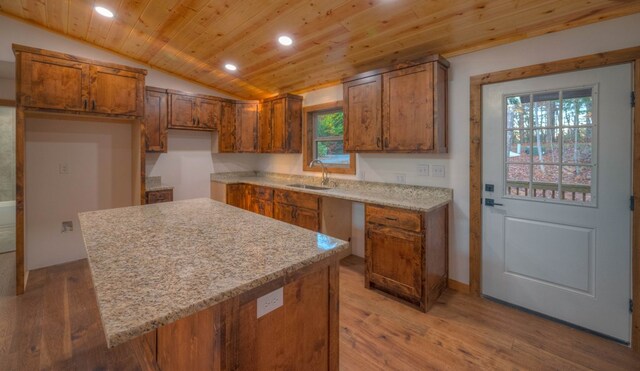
x=266 y=127
x=262 y=207
x=394 y=261
x=363 y=115
x=247 y=127
x=305 y=218
x=408 y=109
x=208 y=114
x=227 y=130
x=293 y=128
x=236 y=195
x=156 y=197
x=279 y=125
x=155 y=120
x=183 y=112
x=284 y=213
x=54 y=83
x=116 y=92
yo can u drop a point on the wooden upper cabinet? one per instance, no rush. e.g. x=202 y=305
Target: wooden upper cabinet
x=246 y=127
x=408 y=109
x=155 y=119
x=54 y=83
x=281 y=124
x=61 y=82
x=193 y=112
x=116 y=92
x=363 y=114
x=401 y=110
x=227 y=130
x=208 y=113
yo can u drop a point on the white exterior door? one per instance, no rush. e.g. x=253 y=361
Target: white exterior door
x=557 y=150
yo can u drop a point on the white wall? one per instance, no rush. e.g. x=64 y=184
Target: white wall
x=98 y=156
x=610 y=35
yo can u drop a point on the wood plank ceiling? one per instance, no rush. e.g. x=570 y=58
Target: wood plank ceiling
x=332 y=38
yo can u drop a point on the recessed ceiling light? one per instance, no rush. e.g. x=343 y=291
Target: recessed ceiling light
x=104 y=11
x=230 y=67
x=285 y=40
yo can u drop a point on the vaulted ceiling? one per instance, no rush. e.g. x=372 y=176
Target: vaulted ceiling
x=332 y=38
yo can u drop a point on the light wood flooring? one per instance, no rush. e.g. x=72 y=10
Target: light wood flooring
x=56 y=325
x=7 y=274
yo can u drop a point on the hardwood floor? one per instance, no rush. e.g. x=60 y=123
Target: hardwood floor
x=56 y=325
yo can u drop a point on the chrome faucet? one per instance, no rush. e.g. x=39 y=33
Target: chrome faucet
x=325 y=176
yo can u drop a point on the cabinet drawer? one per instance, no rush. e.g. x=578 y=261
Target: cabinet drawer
x=262 y=193
x=154 y=197
x=392 y=217
x=304 y=200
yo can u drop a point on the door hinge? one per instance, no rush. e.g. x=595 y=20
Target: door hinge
x=633 y=99
x=630 y=305
x=632 y=203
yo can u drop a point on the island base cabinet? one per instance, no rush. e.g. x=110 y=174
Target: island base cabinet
x=302 y=333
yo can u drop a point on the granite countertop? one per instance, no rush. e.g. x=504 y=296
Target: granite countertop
x=154 y=264
x=403 y=196
x=154 y=183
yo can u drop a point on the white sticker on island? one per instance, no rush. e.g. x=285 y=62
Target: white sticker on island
x=270 y=302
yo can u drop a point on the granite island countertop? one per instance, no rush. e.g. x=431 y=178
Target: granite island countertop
x=152 y=265
x=418 y=198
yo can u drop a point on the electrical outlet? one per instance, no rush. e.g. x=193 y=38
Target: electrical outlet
x=423 y=170
x=437 y=170
x=401 y=178
x=67 y=226
x=63 y=168
x=269 y=302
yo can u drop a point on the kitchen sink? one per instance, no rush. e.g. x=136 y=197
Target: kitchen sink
x=308 y=186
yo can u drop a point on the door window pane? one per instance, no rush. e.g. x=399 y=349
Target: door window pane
x=546 y=181
x=546 y=147
x=553 y=158
x=518 y=112
x=576 y=145
x=518 y=146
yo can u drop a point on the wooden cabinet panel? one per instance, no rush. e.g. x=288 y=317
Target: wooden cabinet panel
x=155 y=197
x=363 y=114
x=281 y=125
x=54 y=83
x=406 y=253
x=299 y=199
x=262 y=207
x=227 y=130
x=306 y=218
x=116 y=92
x=208 y=113
x=246 y=127
x=284 y=212
x=236 y=195
x=394 y=261
x=295 y=336
x=408 y=109
x=395 y=218
x=183 y=112
x=266 y=127
x=155 y=119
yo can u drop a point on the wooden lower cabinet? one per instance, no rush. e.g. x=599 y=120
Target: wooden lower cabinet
x=303 y=333
x=155 y=197
x=406 y=253
x=291 y=207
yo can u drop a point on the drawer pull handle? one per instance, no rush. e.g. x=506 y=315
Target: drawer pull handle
x=390 y=218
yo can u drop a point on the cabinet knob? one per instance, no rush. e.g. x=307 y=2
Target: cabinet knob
x=84 y=102
x=93 y=104
x=378 y=142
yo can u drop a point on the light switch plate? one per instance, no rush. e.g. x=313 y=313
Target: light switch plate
x=270 y=302
x=423 y=170
x=401 y=178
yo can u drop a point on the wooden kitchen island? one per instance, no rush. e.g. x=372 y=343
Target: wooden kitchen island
x=213 y=287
